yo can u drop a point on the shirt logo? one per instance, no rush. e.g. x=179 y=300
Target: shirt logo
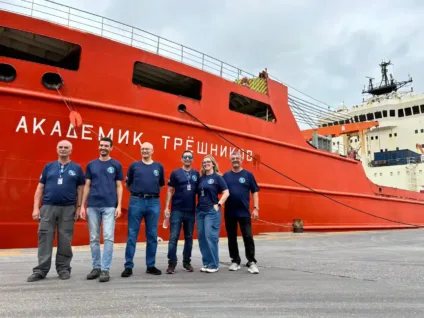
x=72 y=173
x=111 y=169
x=194 y=178
x=155 y=172
x=211 y=181
x=242 y=180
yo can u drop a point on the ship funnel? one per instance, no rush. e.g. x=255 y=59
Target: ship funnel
x=182 y=108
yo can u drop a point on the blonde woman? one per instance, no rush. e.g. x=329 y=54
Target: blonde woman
x=208 y=214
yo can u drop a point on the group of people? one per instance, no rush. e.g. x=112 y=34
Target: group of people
x=65 y=194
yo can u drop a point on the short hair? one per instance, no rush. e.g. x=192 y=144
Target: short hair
x=108 y=140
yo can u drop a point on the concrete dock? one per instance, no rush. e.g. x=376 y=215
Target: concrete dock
x=356 y=274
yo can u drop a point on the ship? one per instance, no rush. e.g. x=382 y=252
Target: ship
x=391 y=146
x=58 y=81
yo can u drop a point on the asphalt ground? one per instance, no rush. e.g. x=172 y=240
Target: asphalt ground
x=355 y=274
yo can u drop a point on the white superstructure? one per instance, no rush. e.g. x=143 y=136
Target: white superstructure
x=383 y=150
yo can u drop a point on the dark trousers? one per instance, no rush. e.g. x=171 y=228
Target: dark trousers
x=246 y=231
x=61 y=218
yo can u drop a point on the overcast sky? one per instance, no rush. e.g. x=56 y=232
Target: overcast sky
x=324 y=48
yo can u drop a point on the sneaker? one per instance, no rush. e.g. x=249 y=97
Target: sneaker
x=35 y=277
x=104 y=276
x=212 y=270
x=188 y=267
x=171 y=269
x=204 y=268
x=253 y=268
x=64 y=275
x=153 y=270
x=127 y=272
x=94 y=273
x=234 y=267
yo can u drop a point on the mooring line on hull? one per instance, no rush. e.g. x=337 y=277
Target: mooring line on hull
x=182 y=108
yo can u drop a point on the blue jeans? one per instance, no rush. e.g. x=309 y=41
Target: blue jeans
x=208 y=225
x=148 y=209
x=186 y=219
x=95 y=216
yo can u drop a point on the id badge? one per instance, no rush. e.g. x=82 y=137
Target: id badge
x=188 y=187
x=202 y=193
x=60 y=181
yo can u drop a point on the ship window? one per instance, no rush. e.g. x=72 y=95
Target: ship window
x=408 y=111
x=422 y=130
x=40 y=49
x=392 y=113
x=400 y=113
x=370 y=116
x=378 y=115
x=362 y=118
x=422 y=109
x=416 y=110
x=376 y=137
x=356 y=119
x=167 y=81
x=397 y=148
x=384 y=113
x=391 y=173
x=372 y=138
x=248 y=106
x=395 y=134
x=416 y=131
x=390 y=135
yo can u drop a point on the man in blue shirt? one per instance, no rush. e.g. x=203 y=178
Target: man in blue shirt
x=103 y=189
x=182 y=186
x=61 y=185
x=241 y=183
x=144 y=180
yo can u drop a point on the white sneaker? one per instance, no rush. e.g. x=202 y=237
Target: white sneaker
x=212 y=270
x=234 y=267
x=203 y=269
x=253 y=269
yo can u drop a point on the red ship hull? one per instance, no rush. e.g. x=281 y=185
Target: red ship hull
x=35 y=118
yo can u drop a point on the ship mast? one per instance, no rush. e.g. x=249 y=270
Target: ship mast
x=386 y=86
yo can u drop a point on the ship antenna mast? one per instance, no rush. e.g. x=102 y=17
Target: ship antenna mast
x=386 y=86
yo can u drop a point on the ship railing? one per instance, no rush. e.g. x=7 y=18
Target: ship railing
x=88 y=22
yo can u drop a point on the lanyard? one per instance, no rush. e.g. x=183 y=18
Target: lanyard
x=188 y=175
x=61 y=171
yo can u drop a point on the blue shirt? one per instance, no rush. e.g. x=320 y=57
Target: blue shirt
x=61 y=184
x=209 y=188
x=145 y=179
x=240 y=184
x=103 y=176
x=184 y=199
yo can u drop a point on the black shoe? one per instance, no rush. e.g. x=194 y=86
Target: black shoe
x=188 y=267
x=104 y=276
x=153 y=270
x=64 y=275
x=127 y=272
x=35 y=277
x=94 y=273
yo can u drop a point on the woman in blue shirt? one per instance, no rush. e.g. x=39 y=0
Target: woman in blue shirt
x=208 y=217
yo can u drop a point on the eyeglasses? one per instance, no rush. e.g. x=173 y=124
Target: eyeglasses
x=187 y=157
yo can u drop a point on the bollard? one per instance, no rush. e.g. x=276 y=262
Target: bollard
x=297 y=226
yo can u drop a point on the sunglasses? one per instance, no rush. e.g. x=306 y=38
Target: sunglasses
x=206 y=162
x=187 y=157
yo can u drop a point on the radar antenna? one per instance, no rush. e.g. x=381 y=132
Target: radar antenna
x=386 y=86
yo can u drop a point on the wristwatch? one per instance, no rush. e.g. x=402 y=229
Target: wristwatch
x=219 y=204
x=256 y=208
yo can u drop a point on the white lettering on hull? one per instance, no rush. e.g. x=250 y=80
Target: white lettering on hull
x=124 y=137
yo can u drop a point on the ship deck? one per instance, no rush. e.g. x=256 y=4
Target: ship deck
x=359 y=274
